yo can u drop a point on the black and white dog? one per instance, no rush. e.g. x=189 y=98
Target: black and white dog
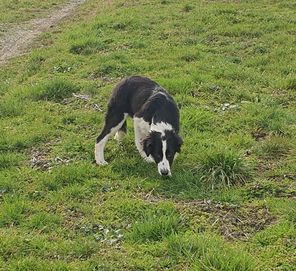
x=156 y=121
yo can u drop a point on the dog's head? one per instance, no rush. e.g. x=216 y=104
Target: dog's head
x=162 y=148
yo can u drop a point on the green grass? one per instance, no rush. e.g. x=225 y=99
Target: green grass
x=12 y=211
x=55 y=90
x=12 y=11
x=156 y=225
x=8 y=160
x=224 y=168
x=208 y=252
x=230 y=202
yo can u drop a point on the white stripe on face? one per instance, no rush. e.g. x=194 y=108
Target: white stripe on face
x=164 y=165
x=161 y=127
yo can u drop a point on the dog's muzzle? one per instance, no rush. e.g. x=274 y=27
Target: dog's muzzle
x=164 y=170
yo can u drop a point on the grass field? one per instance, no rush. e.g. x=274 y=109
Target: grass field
x=230 y=205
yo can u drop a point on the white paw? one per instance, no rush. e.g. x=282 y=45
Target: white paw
x=149 y=159
x=102 y=163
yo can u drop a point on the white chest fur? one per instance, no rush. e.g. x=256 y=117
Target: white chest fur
x=142 y=126
x=142 y=129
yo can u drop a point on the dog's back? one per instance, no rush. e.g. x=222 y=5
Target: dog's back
x=131 y=93
x=141 y=97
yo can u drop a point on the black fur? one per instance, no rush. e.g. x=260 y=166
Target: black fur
x=141 y=97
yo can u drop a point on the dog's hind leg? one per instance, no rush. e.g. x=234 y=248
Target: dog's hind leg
x=113 y=122
x=120 y=134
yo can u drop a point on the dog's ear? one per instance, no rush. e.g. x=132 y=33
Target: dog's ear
x=147 y=145
x=179 y=142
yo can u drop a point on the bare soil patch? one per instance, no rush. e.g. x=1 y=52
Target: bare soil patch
x=40 y=157
x=232 y=221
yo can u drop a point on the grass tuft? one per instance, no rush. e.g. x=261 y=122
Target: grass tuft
x=188 y=8
x=56 y=90
x=274 y=147
x=69 y=175
x=12 y=211
x=156 y=225
x=209 y=252
x=10 y=107
x=223 y=168
x=34 y=64
x=89 y=47
x=44 y=221
x=8 y=160
x=190 y=57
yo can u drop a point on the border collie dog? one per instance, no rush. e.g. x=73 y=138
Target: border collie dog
x=156 y=122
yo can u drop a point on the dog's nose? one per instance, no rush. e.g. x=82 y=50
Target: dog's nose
x=164 y=172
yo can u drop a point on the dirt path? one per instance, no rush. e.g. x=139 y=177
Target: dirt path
x=17 y=40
